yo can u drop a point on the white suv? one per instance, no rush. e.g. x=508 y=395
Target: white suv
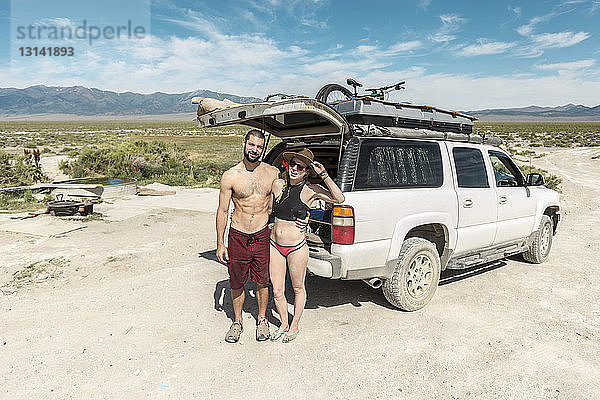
x=423 y=194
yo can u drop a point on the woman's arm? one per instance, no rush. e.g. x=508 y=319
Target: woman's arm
x=332 y=194
x=276 y=189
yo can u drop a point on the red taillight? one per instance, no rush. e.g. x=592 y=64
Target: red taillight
x=342 y=225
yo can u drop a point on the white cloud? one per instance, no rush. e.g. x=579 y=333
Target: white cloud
x=451 y=20
x=541 y=41
x=484 y=47
x=186 y=66
x=423 y=4
x=574 y=65
x=256 y=65
x=377 y=52
x=559 y=39
x=66 y=22
x=515 y=10
x=404 y=46
x=526 y=30
x=314 y=23
x=466 y=92
x=451 y=24
x=195 y=22
x=517 y=14
x=441 y=38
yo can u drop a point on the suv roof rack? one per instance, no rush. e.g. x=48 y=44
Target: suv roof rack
x=375 y=130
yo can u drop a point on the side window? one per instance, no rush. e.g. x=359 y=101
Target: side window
x=505 y=171
x=384 y=163
x=470 y=168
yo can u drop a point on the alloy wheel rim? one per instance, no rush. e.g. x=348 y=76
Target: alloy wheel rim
x=545 y=240
x=420 y=276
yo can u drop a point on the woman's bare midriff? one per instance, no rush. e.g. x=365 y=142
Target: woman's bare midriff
x=286 y=233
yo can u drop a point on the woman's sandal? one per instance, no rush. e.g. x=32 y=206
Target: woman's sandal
x=288 y=338
x=277 y=335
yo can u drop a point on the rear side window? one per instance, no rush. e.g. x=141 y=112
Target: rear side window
x=470 y=168
x=398 y=164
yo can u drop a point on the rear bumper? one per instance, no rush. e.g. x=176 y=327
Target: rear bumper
x=322 y=263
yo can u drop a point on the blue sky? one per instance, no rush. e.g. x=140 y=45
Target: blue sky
x=457 y=54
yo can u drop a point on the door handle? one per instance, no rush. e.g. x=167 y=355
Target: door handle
x=468 y=203
x=502 y=200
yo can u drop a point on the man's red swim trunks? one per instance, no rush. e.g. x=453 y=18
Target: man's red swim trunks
x=248 y=252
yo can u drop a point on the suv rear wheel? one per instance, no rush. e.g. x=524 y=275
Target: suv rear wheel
x=415 y=277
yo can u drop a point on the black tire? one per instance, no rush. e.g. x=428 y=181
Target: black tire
x=415 y=277
x=540 y=247
x=333 y=93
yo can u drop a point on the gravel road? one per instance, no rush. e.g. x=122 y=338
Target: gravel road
x=136 y=307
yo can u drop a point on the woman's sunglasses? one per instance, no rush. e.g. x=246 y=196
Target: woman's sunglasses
x=299 y=167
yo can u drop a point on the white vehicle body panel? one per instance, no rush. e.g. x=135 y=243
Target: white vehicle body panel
x=516 y=213
x=361 y=255
x=477 y=211
x=320 y=267
x=473 y=218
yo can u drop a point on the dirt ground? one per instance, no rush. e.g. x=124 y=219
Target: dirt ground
x=134 y=306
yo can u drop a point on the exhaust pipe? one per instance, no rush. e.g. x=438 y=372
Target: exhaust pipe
x=375 y=283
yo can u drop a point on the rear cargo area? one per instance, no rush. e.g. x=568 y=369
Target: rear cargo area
x=327 y=153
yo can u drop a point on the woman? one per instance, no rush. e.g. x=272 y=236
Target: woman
x=292 y=197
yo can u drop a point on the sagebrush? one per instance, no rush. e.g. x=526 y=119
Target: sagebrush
x=145 y=161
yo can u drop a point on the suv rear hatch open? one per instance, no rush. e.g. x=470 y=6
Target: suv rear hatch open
x=299 y=123
x=287 y=119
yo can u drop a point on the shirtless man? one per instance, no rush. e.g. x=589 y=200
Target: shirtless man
x=248 y=184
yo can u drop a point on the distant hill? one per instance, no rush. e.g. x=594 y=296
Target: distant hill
x=79 y=100
x=90 y=102
x=568 y=112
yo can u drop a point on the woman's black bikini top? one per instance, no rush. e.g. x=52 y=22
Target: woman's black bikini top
x=288 y=205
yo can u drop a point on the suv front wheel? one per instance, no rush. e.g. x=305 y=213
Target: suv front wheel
x=415 y=277
x=540 y=247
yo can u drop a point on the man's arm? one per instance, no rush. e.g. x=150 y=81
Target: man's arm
x=221 y=218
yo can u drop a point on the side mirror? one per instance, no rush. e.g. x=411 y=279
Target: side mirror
x=535 y=180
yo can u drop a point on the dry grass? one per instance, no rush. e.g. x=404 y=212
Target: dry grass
x=36 y=273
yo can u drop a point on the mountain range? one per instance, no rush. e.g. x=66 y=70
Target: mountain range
x=534 y=113
x=79 y=100
x=82 y=101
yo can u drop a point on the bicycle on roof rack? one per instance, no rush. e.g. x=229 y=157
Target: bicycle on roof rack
x=335 y=93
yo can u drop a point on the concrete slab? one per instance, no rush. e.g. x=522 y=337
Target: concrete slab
x=202 y=199
x=43 y=225
x=8 y=217
x=158 y=186
x=117 y=212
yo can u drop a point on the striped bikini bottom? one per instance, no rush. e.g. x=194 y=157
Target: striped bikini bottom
x=286 y=250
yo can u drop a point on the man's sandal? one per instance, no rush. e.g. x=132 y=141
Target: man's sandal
x=277 y=335
x=233 y=335
x=262 y=330
x=288 y=338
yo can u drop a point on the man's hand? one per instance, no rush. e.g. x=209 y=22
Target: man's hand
x=222 y=254
x=301 y=223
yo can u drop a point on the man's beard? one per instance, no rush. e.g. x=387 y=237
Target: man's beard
x=248 y=157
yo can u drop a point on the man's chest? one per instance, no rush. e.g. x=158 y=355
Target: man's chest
x=251 y=185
